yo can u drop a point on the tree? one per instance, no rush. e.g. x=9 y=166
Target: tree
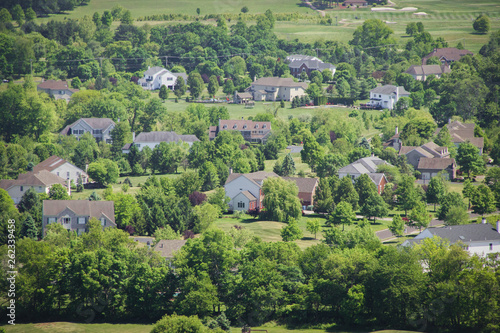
x=323 y=198
x=291 y=232
x=228 y=88
x=58 y=192
x=120 y=135
x=163 y=94
x=107 y=18
x=127 y=18
x=397 y=226
x=483 y=200
x=420 y=215
x=5 y=16
x=178 y=324
x=374 y=206
x=18 y=14
x=343 y=214
x=314 y=91
x=365 y=188
x=468 y=190
x=29 y=228
x=244 y=9
x=407 y=194
x=482 y=24
x=179 y=87
x=104 y=171
x=195 y=83
x=30 y=14
x=213 y=85
x=435 y=191
x=456 y=215
x=346 y=192
x=281 y=202
x=209 y=176
x=330 y=164
x=204 y=216
x=313 y=226
x=166 y=233
x=312 y=152
x=468 y=159
x=32 y=204
x=449 y=200
x=287 y=168
x=373 y=33
x=411 y=28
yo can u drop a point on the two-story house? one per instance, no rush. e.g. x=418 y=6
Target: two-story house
x=62 y=168
x=155 y=77
x=422 y=72
x=153 y=139
x=463 y=132
x=252 y=131
x=57 y=89
x=446 y=55
x=100 y=128
x=480 y=239
x=387 y=96
x=74 y=215
x=368 y=166
x=41 y=181
x=298 y=65
x=276 y=89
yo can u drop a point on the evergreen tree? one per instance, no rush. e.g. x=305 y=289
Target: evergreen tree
x=397 y=226
x=179 y=87
x=288 y=166
x=365 y=188
x=468 y=190
x=323 y=198
x=29 y=228
x=163 y=94
x=346 y=192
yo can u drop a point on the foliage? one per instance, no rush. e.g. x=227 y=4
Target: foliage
x=435 y=191
x=323 y=197
x=481 y=24
x=291 y=231
x=483 y=200
x=456 y=215
x=104 y=171
x=58 y=192
x=281 y=202
x=420 y=215
x=397 y=226
x=313 y=226
x=469 y=159
x=343 y=214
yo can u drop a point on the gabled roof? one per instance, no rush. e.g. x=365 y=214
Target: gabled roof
x=80 y=208
x=389 y=89
x=406 y=149
x=376 y=177
x=428 y=69
x=256 y=177
x=41 y=178
x=52 y=163
x=55 y=85
x=306 y=185
x=242 y=125
x=435 y=163
x=249 y=195
x=311 y=64
x=466 y=233
x=363 y=165
x=167 y=248
x=279 y=82
x=183 y=75
x=94 y=123
x=293 y=57
x=154 y=70
x=448 y=53
x=164 y=137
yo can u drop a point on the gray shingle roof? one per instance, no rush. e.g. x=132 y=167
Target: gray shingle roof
x=40 y=178
x=428 y=69
x=466 y=232
x=279 y=82
x=154 y=70
x=435 y=163
x=304 y=184
x=80 y=207
x=311 y=64
x=389 y=89
x=167 y=248
x=51 y=163
x=94 y=123
x=164 y=137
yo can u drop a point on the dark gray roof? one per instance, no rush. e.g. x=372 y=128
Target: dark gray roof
x=311 y=64
x=435 y=163
x=94 y=123
x=164 y=137
x=389 y=89
x=376 y=177
x=279 y=82
x=153 y=70
x=428 y=69
x=467 y=233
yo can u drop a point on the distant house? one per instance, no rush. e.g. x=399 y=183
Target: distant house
x=242 y=97
x=479 y=239
x=387 y=96
x=359 y=3
x=422 y=72
x=100 y=128
x=155 y=77
x=394 y=142
x=294 y=57
x=57 y=89
x=245 y=190
x=297 y=66
x=276 y=89
x=462 y=132
x=41 y=181
x=62 y=168
x=446 y=55
x=74 y=215
x=252 y=131
x=167 y=248
x=152 y=139
x=368 y=166
x=430 y=167
x=427 y=150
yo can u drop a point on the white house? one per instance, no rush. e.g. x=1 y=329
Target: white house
x=153 y=139
x=40 y=181
x=387 y=96
x=276 y=89
x=62 y=168
x=244 y=190
x=155 y=77
x=100 y=128
x=480 y=239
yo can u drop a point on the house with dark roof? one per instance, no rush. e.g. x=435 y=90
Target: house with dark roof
x=446 y=55
x=387 y=96
x=168 y=248
x=100 y=128
x=155 y=77
x=463 y=132
x=427 y=150
x=40 y=181
x=74 y=215
x=297 y=66
x=366 y=165
x=57 y=89
x=480 y=239
x=276 y=89
x=422 y=72
x=62 y=168
x=252 y=131
x=430 y=167
x=153 y=139
x=245 y=190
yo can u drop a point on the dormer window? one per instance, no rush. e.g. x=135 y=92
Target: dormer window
x=235 y=126
x=264 y=126
x=256 y=125
x=225 y=126
x=245 y=126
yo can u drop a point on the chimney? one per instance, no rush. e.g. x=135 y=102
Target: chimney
x=86 y=167
x=242 y=118
x=396 y=131
x=449 y=120
x=498 y=226
x=133 y=136
x=483 y=220
x=230 y=170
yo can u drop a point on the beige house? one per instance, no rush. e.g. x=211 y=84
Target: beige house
x=422 y=72
x=74 y=215
x=41 y=181
x=446 y=55
x=427 y=150
x=252 y=131
x=462 y=132
x=57 y=89
x=167 y=248
x=276 y=89
x=62 y=168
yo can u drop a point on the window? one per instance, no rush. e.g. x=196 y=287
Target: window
x=67 y=174
x=245 y=126
x=97 y=131
x=138 y=145
x=170 y=78
x=103 y=221
x=256 y=125
x=81 y=220
x=225 y=126
x=491 y=246
x=66 y=220
x=235 y=126
x=241 y=204
x=80 y=231
x=51 y=220
x=39 y=189
x=22 y=188
x=264 y=126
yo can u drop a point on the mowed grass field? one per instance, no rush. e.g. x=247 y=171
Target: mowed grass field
x=64 y=327
x=450 y=19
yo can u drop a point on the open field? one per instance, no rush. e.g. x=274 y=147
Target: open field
x=449 y=19
x=64 y=327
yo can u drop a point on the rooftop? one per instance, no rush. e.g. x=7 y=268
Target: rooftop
x=40 y=178
x=167 y=248
x=81 y=208
x=435 y=163
x=279 y=82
